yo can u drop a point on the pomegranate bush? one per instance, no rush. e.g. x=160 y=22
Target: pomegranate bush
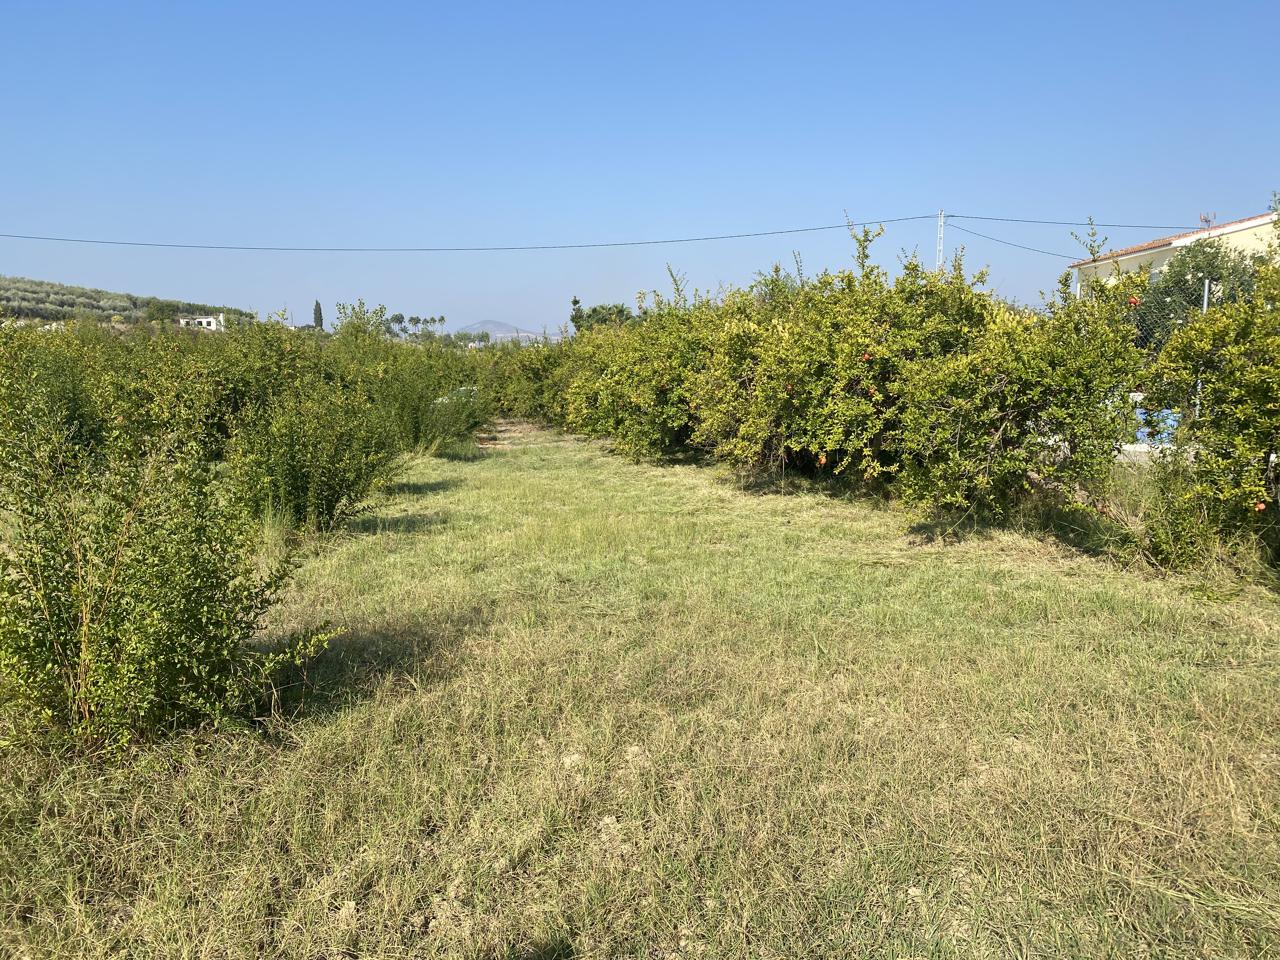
x=922 y=385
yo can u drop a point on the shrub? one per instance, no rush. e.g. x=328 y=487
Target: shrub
x=762 y=371
x=158 y=386
x=423 y=390
x=246 y=368
x=925 y=382
x=313 y=454
x=454 y=416
x=1221 y=372
x=525 y=382
x=1036 y=400
x=429 y=396
x=55 y=375
x=1179 y=528
x=629 y=382
x=807 y=373
x=128 y=591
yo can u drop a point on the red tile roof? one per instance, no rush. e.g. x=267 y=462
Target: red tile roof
x=1165 y=241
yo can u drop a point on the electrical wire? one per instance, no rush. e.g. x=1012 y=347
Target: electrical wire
x=1010 y=243
x=482 y=249
x=608 y=244
x=1069 y=223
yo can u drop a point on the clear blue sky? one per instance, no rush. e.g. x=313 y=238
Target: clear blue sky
x=412 y=124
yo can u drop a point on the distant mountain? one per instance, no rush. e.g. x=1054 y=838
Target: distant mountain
x=499 y=331
x=45 y=301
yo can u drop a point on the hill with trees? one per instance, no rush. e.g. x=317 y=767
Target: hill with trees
x=44 y=301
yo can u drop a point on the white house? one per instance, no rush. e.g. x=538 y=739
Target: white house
x=1250 y=235
x=205 y=323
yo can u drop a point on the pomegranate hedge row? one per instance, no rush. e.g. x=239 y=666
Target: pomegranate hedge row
x=926 y=387
x=136 y=473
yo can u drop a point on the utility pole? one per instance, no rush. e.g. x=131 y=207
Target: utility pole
x=1204 y=308
x=942 y=221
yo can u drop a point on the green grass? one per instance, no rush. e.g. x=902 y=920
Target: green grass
x=585 y=708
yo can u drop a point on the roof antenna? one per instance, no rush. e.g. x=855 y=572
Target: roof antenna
x=1208 y=218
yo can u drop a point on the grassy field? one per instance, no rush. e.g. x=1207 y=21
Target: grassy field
x=584 y=708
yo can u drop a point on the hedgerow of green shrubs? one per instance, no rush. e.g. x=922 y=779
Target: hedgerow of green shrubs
x=136 y=473
x=921 y=384
x=137 y=469
x=927 y=388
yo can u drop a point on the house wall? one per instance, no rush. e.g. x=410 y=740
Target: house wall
x=1108 y=269
x=1252 y=240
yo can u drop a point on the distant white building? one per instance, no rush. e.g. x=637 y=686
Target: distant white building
x=205 y=323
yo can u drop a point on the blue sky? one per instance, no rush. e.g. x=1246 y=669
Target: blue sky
x=417 y=124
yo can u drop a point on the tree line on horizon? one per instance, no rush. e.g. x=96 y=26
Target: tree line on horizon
x=45 y=301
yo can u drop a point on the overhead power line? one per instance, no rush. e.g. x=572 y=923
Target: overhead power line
x=950 y=217
x=498 y=248
x=1010 y=243
x=479 y=249
x=1070 y=223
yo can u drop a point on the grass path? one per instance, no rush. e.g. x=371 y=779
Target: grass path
x=585 y=708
